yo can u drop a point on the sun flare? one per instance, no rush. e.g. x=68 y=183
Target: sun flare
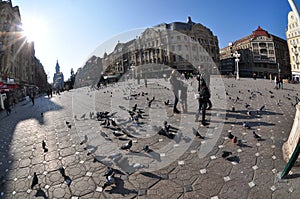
x=34 y=29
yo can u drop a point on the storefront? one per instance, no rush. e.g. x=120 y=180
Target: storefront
x=6 y=90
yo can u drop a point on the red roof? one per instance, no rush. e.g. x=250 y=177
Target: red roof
x=260 y=32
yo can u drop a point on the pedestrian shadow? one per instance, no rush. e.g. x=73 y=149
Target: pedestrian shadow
x=150 y=175
x=120 y=189
x=292 y=176
x=41 y=193
x=9 y=124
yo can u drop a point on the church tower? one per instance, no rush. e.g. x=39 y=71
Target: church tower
x=58 y=78
x=57 y=68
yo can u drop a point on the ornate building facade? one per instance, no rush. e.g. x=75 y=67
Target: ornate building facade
x=18 y=64
x=293 y=41
x=261 y=53
x=179 y=45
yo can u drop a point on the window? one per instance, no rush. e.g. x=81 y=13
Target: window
x=262 y=45
x=178 y=38
x=179 y=47
x=187 y=57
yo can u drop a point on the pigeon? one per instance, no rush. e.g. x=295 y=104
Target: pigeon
x=127 y=146
x=44 y=146
x=197 y=134
x=134 y=108
x=85 y=140
x=234 y=140
x=167 y=102
x=62 y=171
x=279 y=102
x=256 y=136
x=106 y=137
x=91 y=115
x=118 y=133
x=246 y=125
x=68 y=180
x=150 y=101
x=230 y=136
x=226 y=154
x=262 y=108
x=67 y=123
x=92 y=150
x=109 y=181
x=104 y=123
x=233 y=109
x=83 y=116
x=247 y=105
x=35 y=180
x=147 y=149
x=270 y=92
x=113 y=122
x=109 y=171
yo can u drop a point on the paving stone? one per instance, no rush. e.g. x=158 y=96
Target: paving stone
x=207 y=177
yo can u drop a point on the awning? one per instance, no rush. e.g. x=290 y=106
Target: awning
x=6 y=87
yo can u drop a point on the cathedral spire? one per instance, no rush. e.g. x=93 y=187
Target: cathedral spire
x=57 y=67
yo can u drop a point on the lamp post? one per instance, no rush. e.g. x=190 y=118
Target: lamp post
x=237 y=56
x=296 y=55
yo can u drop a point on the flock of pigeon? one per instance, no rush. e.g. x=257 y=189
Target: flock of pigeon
x=251 y=113
x=119 y=130
x=113 y=127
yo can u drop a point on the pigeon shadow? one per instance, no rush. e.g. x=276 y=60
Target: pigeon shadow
x=150 y=175
x=41 y=193
x=243 y=145
x=152 y=154
x=233 y=159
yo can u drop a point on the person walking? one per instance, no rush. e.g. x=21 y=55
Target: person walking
x=7 y=106
x=175 y=84
x=183 y=94
x=204 y=96
x=204 y=76
x=32 y=96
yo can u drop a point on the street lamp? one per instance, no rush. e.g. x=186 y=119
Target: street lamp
x=237 y=56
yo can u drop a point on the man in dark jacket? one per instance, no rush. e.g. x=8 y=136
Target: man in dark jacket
x=7 y=106
x=203 y=101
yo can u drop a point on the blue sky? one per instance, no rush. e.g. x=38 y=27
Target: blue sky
x=72 y=29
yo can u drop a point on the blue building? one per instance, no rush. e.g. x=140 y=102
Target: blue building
x=58 y=78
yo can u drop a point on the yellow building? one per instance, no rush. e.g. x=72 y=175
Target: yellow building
x=293 y=40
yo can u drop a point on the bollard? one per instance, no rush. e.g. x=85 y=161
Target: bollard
x=291 y=161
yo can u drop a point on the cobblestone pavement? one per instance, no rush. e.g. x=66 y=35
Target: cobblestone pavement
x=183 y=167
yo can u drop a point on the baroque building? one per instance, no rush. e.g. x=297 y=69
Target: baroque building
x=18 y=65
x=260 y=52
x=156 y=51
x=179 y=45
x=293 y=41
